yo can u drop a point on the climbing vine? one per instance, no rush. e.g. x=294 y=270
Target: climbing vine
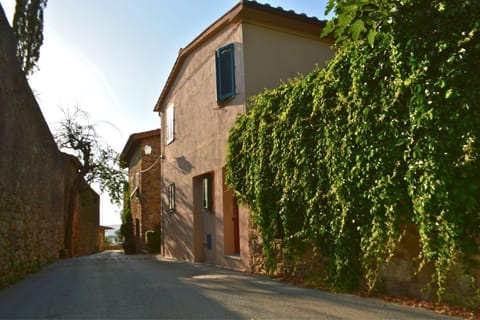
x=386 y=136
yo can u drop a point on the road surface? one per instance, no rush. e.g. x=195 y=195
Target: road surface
x=112 y=285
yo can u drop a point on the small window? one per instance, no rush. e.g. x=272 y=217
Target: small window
x=135 y=184
x=170 y=125
x=171 y=197
x=224 y=60
x=207 y=192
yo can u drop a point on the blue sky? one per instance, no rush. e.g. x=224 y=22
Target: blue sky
x=112 y=58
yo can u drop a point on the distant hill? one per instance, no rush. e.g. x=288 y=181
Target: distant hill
x=112 y=232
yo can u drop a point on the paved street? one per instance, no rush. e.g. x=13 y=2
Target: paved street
x=112 y=285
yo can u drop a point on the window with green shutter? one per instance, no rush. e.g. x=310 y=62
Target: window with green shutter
x=225 y=64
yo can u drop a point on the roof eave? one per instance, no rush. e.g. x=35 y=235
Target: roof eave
x=244 y=11
x=132 y=142
x=195 y=43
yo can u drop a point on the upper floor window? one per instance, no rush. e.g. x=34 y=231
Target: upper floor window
x=135 y=184
x=224 y=59
x=170 y=124
x=207 y=192
x=171 y=197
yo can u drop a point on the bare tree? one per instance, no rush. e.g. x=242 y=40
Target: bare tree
x=98 y=163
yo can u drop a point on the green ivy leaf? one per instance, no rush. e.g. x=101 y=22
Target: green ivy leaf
x=330 y=7
x=371 y=37
x=357 y=28
x=330 y=26
x=449 y=93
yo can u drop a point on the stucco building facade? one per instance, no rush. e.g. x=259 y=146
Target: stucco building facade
x=250 y=48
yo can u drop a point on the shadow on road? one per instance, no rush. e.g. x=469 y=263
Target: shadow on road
x=111 y=285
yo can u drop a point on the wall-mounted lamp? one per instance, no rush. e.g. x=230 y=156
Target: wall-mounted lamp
x=147 y=149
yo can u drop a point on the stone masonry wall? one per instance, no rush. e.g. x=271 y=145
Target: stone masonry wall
x=34 y=176
x=86 y=222
x=145 y=202
x=399 y=277
x=135 y=203
x=150 y=185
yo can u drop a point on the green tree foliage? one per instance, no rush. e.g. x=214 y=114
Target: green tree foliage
x=153 y=239
x=28 y=29
x=386 y=136
x=126 y=229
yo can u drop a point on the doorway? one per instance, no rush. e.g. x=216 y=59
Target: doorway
x=231 y=223
x=204 y=218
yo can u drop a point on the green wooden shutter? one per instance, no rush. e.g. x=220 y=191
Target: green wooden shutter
x=225 y=64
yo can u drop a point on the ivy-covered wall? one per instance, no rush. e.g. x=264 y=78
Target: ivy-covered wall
x=343 y=164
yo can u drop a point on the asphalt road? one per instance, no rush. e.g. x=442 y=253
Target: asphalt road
x=112 y=285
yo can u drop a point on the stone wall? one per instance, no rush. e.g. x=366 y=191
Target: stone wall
x=135 y=193
x=150 y=187
x=144 y=176
x=86 y=222
x=35 y=177
x=399 y=278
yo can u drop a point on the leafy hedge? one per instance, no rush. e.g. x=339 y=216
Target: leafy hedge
x=387 y=135
x=153 y=239
x=127 y=227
